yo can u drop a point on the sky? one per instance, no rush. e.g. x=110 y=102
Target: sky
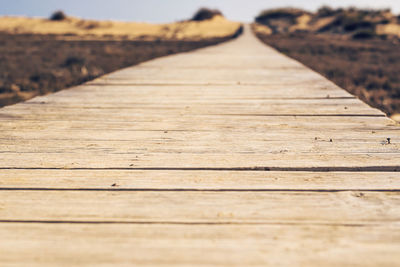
x=159 y=11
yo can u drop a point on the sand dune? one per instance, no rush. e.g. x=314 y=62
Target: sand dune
x=75 y=27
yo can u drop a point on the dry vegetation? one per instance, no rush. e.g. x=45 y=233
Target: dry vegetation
x=206 y=14
x=38 y=56
x=58 y=16
x=348 y=46
x=349 y=22
x=38 y=64
x=206 y=25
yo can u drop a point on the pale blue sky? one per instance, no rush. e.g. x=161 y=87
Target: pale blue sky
x=169 y=10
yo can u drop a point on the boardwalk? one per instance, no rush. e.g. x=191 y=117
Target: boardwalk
x=232 y=155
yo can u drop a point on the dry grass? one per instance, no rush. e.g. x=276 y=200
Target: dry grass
x=360 y=23
x=37 y=56
x=56 y=64
x=75 y=28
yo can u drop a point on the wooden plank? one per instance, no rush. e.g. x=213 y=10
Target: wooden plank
x=107 y=134
x=159 y=146
x=350 y=207
x=129 y=131
x=204 y=122
x=310 y=91
x=311 y=141
x=199 y=245
x=189 y=107
x=361 y=128
x=196 y=180
x=200 y=158
x=135 y=113
x=216 y=76
x=183 y=103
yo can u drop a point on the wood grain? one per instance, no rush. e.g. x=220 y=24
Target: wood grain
x=197 y=180
x=201 y=207
x=198 y=245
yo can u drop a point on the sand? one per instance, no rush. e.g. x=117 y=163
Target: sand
x=75 y=27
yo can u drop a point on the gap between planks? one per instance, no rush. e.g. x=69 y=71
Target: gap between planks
x=395 y=168
x=278 y=190
x=198 y=223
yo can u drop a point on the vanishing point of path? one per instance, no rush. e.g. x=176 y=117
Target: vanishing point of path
x=232 y=155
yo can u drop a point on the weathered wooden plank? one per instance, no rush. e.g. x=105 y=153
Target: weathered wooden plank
x=101 y=135
x=218 y=77
x=159 y=146
x=182 y=103
x=198 y=158
x=199 y=245
x=129 y=131
x=211 y=92
x=204 y=122
x=197 y=180
x=256 y=107
x=356 y=207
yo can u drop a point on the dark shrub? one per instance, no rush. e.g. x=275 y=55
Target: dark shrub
x=326 y=11
x=384 y=21
x=288 y=13
x=238 y=32
x=72 y=61
x=281 y=19
x=206 y=14
x=364 y=34
x=349 y=20
x=58 y=16
x=357 y=25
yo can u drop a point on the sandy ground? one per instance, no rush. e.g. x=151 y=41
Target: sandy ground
x=91 y=29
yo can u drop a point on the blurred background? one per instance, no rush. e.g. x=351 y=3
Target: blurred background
x=355 y=44
x=161 y=11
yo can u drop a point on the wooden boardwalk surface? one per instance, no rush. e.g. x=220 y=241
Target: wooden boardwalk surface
x=232 y=155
